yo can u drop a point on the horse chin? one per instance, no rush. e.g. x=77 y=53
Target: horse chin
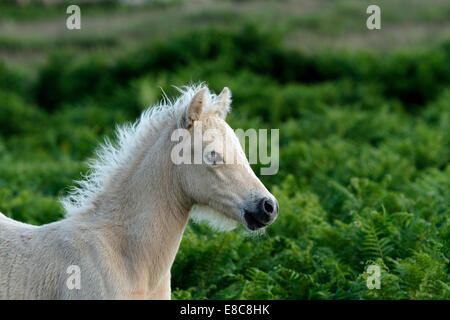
x=215 y=219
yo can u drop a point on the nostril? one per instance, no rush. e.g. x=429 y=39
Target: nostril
x=268 y=206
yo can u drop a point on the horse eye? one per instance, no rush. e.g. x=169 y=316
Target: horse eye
x=213 y=158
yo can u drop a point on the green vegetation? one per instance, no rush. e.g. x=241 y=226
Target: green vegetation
x=364 y=152
x=28 y=34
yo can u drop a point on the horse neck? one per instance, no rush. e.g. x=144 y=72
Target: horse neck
x=147 y=203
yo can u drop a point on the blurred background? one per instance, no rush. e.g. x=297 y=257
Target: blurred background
x=363 y=118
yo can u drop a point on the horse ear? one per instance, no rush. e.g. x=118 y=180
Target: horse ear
x=195 y=108
x=224 y=102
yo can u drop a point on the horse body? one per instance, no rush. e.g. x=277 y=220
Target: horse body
x=124 y=248
x=125 y=222
x=35 y=261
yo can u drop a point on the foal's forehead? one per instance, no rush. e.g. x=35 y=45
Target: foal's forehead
x=218 y=124
x=214 y=122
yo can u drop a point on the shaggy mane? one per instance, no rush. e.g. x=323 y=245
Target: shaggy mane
x=111 y=157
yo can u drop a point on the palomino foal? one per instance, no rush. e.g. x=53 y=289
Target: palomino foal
x=125 y=221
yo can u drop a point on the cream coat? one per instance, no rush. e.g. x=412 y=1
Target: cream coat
x=125 y=221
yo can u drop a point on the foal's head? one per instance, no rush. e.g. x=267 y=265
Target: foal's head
x=219 y=180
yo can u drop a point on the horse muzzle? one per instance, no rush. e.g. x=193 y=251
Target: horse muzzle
x=265 y=213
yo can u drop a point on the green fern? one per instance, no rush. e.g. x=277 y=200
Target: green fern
x=374 y=245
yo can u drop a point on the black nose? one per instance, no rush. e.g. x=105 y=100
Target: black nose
x=268 y=209
x=263 y=214
x=268 y=206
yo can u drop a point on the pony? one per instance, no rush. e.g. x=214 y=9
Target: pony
x=125 y=219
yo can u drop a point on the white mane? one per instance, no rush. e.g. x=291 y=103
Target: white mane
x=111 y=158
